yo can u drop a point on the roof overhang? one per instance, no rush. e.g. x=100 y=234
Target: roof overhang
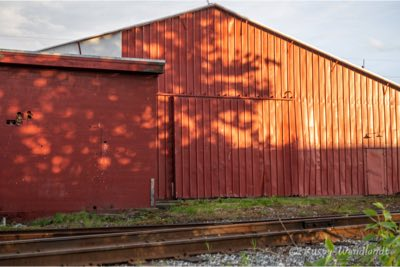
x=16 y=57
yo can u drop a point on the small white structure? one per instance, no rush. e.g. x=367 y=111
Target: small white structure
x=104 y=45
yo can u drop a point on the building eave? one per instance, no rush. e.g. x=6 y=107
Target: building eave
x=16 y=57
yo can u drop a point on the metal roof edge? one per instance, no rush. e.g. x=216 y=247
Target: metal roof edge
x=20 y=57
x=311 y=47
x=132 y=59
x=304 y=44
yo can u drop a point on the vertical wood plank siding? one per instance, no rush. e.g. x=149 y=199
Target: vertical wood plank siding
x=251 y=113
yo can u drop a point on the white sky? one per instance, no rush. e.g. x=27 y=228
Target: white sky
x=349 y=30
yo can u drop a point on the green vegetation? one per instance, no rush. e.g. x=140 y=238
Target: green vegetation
x=386 y=233
x=385 y=248
x=235 y=208
x=254 y=244
x=91 y=219
x=224 y=207
x=212 y=206
x=208 y=246
x=244 y=259
x=6 y=228
x=331 y=259
x=218 y=209
x=79 y=219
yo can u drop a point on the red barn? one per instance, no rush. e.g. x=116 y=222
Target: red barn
x=244 y=110
x=76 y=133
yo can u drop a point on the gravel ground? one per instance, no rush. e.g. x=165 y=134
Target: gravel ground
x=278 y=256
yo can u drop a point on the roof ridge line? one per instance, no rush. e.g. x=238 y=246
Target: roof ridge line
x=132 y=25
x=223 y=8
x=311 y=47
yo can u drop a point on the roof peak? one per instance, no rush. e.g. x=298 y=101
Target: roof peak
x=271 y=30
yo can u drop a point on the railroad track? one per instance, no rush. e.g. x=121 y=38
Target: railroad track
x=11 y=235
x=133 y=244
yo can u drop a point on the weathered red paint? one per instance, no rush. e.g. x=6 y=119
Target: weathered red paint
x=79 y=62
x=375 y=170
x=257 y=113
x=91 y=141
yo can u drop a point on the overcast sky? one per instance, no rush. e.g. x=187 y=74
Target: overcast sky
x=349 y=30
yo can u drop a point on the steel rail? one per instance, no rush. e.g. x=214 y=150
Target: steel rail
x=47 y=233
x=32 y=245
x=45 y=251
x=10 y=235
x=139 y=251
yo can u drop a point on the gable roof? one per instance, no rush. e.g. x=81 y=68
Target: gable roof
x=271 y=30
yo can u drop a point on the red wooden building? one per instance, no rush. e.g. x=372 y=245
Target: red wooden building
x=76 y=133
x=244 y=110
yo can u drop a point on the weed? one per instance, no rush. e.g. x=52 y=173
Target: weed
x=341 y=259
x=208 y=246
x=386 y=246
x=254 y=244
x=244 y=259
x=386 y=234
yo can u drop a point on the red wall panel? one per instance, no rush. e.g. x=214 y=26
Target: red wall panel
x=256 y=113
x=90 y=143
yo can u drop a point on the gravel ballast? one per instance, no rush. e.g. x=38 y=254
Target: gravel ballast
x=276 y=256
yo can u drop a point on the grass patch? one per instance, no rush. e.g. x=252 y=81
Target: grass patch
x=347 y=208
x=75 y=219
x=218 y=209
x=192 y=207
x=6 y=228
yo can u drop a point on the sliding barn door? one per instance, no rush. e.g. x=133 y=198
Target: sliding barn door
x=231 y=147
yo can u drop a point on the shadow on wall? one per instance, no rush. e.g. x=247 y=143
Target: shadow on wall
x=75 y=139
x=208 y=53
x=212 y=53
x=247 y=151
x=302 y=119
